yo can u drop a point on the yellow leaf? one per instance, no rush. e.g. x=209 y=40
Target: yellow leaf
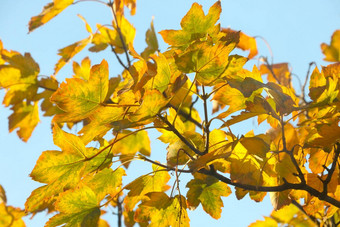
x=50 y=10
x=25 y=117
x=165 y=211
x=145 y=184
x=68 y=52
x=153 y=102
x=83 y=70
x=195 y=25
x=331 y=51
x=78 y=97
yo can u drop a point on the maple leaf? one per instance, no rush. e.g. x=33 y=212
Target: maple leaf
x=70 y=51
x=25 y=117
x=207 y=191
x=153 y=102
x=130 y=145
x=162 y=78
x=78 y=98
x=49 y=11
x=101 y=121
x=9 y=215
x=105 y=36
x=18 y=77
x=245 y=42
x=279 y=73
x=151 y=41
x=106 y=182
x=119 y=6
x=195 y=25
x=145 y=184
x=62 y=169
x=331 y=51
x=164 y=211
x=208 y=62
x=50 y=85
x=77 y=207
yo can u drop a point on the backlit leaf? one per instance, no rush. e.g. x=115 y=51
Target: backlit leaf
x=78 y=97
x=153 y=102
x=208 y=192
x=209 y=62
x=245 y=43
x=332 y=51
x=195 y=25
x=49 y=11
x=70 y=51
x=145 y=184
x=78 y=207
x=165 y=211
x=18 y=77
x=151 y=41
x=25 y=117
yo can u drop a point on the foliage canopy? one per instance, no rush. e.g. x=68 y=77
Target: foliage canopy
x=296 y=161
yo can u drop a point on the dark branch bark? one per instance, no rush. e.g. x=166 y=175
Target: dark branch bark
x=178 y=134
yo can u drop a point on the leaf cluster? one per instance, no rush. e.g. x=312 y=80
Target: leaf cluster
x=295 y=161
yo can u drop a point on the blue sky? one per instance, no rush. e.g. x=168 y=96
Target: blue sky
x=294 y=30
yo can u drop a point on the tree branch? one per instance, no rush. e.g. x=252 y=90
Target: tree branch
x=178 y=134
x=331 y=170
x=186 y=116
x=285 y=186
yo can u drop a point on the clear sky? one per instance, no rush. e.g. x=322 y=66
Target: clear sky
x=294 y=29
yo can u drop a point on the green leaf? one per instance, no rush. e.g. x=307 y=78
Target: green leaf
x=62 y=170
x=50 y=10
x=106 y=182
x=195 y=25
x=78 y=98
x=78 y=207
x=208 y=62
x=208 y=192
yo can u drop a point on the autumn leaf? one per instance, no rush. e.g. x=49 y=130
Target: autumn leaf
x=245 y=43
x=162 y=78
x=106 y=182
x=82 y=71
x=101 y=121
x=145 y=184
x=25 y=117
x=131 y=144
x=151 y=41
x=78 y=97
x=165 y=211
x=62 y=169
x=18 y=77
x=208 y=192
x=208 y=62
x=78 y=207
x=279 y=73
x=331 y=51
x=67 y=53
x=106 y=36
x=153 y=102
x=195 y=25
x=120 y=4
x=49 y=11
